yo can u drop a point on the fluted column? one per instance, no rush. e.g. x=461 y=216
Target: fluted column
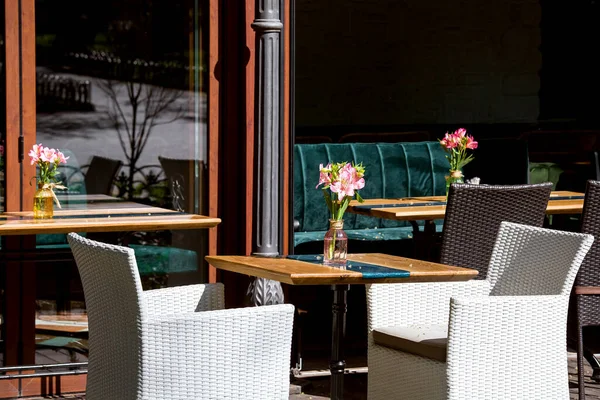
x=267 y=184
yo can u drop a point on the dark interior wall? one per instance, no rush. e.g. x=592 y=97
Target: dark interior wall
x=570 y=78
x=402 y=62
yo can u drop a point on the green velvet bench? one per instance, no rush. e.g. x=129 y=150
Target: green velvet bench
x=392 y=170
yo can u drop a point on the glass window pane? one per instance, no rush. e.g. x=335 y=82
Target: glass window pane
x=121 y=91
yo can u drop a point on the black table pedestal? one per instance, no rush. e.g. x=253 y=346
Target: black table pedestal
x=338 y=364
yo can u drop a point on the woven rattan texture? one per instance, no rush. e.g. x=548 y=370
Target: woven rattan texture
x=113 y=294
x=586 y=310
x=473 y=217
x=532 y=261
x=176 y=343
x=510 y=345
x=589 y=273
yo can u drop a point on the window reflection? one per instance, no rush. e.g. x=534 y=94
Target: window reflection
x=119 y=90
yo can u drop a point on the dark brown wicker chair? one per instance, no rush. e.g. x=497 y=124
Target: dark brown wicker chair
x=585 y=299
x=101 y=174
x=474 y=214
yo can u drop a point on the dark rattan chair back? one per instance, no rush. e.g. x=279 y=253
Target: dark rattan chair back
x=474 y=214
x=589 y=273
x=101 y=174
x=585 y=302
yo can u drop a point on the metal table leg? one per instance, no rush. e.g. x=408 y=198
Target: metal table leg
x=338 y=364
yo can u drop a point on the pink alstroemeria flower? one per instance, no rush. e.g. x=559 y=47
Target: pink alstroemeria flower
x=450 y=141
x=461 y=132
x=343 y=186
x=35 y=153
x=324 y=176
x=48 y=155
x=358 y=182
x=47 y=160
x=471 y=143
x=61 y=158
x=343 y=181
x=456 y=145
x=348 y=182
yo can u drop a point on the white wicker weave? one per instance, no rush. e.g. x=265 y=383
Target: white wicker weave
x=155 y=345
x=507 y=334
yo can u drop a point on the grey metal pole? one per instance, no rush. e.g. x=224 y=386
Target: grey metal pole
x=267 y=218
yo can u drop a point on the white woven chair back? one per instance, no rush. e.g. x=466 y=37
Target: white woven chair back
x=534 y=261
x=113 y=294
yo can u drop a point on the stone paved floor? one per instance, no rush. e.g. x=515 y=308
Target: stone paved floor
x=355 y=386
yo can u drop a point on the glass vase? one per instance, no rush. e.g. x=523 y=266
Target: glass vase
x=43 y=203
x=455 y=176
x=335 y=246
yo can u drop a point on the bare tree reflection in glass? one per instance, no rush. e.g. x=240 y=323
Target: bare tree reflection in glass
x=139 y=94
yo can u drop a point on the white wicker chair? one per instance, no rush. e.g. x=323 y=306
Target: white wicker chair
x=168 y=344
x=499 y=338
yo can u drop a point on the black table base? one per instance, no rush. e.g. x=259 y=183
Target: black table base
x=337 y=365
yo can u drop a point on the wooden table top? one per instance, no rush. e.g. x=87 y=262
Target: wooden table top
x=296 y=272
x=434 y=207
x=102 y=216
x=85 y=198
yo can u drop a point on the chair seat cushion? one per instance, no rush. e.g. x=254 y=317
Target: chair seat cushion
x=429 y=341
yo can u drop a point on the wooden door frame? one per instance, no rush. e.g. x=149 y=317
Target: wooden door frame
x=20 y=102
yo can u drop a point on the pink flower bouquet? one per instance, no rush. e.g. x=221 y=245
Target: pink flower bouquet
x=343 y=180
x=456 y=144
x=47 y=161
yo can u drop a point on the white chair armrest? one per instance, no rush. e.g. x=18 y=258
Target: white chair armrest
x=398 y=304
x=184 y=299
x=247 y=352
x=494 y=342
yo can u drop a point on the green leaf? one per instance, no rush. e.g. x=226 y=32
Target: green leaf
x=328 y=200
x=359 y=198
x=342 y=210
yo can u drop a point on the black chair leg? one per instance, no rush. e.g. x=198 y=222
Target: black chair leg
x=580 y=355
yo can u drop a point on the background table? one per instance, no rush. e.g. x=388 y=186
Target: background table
x=434 y=207
x=361 y=269
x=80 y=214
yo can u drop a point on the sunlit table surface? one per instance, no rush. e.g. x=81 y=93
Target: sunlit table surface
x=100 y=213
x=360 y=269
x=434 y=207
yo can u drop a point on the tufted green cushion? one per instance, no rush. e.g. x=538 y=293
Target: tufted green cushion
x=150 y=259
x=393 y=170
x=164 y=260
x=545 y=172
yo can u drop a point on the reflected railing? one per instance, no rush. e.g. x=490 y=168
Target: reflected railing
x=151 y=185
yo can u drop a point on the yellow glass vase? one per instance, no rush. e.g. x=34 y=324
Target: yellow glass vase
x=43 y=203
